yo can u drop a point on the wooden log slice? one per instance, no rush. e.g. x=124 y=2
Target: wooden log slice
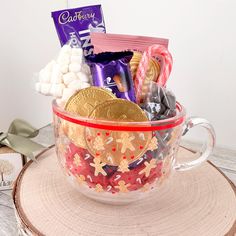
x=197 y=202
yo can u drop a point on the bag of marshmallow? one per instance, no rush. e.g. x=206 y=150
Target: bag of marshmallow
x=65 y=75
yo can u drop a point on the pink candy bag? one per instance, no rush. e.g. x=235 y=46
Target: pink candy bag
x=151 y=60
x=120 y=42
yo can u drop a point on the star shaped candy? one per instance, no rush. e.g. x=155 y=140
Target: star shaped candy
x=98 y=165
x=148 y=166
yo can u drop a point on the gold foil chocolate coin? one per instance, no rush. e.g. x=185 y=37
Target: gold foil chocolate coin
x=82 y=103
x=118 y=110
x=115 y=146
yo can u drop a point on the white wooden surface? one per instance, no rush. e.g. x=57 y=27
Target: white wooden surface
x=222 y=158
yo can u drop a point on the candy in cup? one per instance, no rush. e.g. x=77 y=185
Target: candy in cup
x=138 y=44
x=117 y=127
x=116 y=154
x=111 y=70
x=152 y=51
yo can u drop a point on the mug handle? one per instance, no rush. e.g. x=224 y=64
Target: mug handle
x=207 y=148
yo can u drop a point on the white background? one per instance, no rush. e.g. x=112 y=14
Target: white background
x=202 y=40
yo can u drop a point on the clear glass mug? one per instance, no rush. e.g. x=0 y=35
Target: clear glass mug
x=120 y=162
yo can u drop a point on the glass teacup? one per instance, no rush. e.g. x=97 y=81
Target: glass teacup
x=120 y=162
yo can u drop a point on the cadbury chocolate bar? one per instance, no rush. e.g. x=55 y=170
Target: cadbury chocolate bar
x=111 y=70
x=75 y=25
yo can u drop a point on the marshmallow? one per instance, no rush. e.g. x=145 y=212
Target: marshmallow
x=76 y=59
x=77 y=52
x=57 y=90
x=75 y=84
x=50 y=65
x=64 y=68
x=63 y=77
x=74 y=67
x=86 y=69
x=56 y=77
x=69 y=77
x=84 y=85
x=61 y=103
x=38 y=87
x=67 y=93
x=64 y=59
x=45 y=88
x=66 y=49
x=83 y=77
x=44 y=76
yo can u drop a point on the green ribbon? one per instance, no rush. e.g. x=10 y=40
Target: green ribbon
x=18 y=138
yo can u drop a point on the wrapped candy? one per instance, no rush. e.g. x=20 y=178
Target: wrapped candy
x=160 y=103
x=139 y=45
x=140 y=78
x=111 y=70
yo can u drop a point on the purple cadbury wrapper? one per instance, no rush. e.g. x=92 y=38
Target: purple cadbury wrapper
x=111 y=70
x=77 y=23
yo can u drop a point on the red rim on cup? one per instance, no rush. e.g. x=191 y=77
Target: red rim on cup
x=121 y=125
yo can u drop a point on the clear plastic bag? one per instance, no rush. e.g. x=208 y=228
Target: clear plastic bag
x=159 y=102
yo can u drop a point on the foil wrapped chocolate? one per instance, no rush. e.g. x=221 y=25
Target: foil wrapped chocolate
x=160 y=103
x=111 y=70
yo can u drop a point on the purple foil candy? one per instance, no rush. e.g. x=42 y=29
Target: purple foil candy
x=111 y=70
x=75 y=25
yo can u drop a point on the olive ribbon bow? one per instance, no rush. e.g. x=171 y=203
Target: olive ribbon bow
x=18 y=138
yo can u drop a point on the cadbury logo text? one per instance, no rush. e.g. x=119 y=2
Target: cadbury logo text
x=65 y=16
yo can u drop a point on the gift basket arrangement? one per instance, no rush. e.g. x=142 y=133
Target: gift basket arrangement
x=117 y=125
